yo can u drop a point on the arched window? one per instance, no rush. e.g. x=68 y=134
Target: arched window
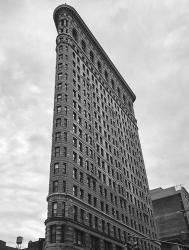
x=118 y=91
x=106 y=75
x=113 y=84
x=99 y=66
x=83 y=45
x=75 y=35
x=91 y=56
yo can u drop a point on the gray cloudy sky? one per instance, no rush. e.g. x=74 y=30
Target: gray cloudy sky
x=148 y=41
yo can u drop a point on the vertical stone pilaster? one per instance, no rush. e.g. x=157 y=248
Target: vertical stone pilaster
x=113 y=247
x=69 y=232
x=58 y=233
x=47 y=234
x=87 y=241
x=101 y=244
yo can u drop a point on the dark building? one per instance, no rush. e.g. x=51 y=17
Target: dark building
x=98 y=189
x=36 y=245
x=171 y=210
x=3 y=246
x=32 y=245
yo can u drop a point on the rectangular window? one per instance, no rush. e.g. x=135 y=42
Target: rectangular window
x=82 y=215
x=80 y=161
x=74 y=116
x=75 y=157
x=59 y=86
x=65 y=151
x=96 y=222
x=79 y=237
x=74 y=104
x=108 y=228
x=64 y=187
x=80 y=120
x=81 y=177
x=75 y=213
x=58 y=122
x=75 y=173
x=54 y=208
x=60 y=57
x=79 y=108
x=65 y=122
x=90 y=220
x=89 y=199
x=57 y=151
x=60 y=76
x=59 y=97
x=55 y=186
x=58 y=109
x=81 y=194
x=57 y=136
x=64 y=168
x=95 y=201
x=74 y=128
x=80 y=146
x=114 y=230
x=63 y=208
x=102 y=205
x=65 y=137
x=65 y=110
x=56 y=168
x=103 y=226
x=74 y=142
x=75 y=190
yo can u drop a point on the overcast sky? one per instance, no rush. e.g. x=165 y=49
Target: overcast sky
x=148 y=41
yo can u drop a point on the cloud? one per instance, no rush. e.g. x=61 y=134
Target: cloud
x=148 y=42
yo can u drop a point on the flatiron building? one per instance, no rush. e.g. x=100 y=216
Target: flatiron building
x=98 y=190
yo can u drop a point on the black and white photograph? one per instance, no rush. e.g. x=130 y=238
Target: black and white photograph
x=94 y=121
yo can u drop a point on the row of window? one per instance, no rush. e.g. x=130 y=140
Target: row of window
x=123 y=151
x=104 y=207
x=79 y=159
x=79 y=239
x=123 y=142
x=99 y=65
x=83 y=46
x=80 y=110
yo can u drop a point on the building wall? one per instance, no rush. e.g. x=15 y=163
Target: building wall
x=3 y=246
x=172 y=219
x=98 y=188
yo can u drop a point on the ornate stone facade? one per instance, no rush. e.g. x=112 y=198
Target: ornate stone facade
x=98 y=190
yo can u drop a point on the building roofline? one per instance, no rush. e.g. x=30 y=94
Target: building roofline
x=161 y=193
x=75 y=13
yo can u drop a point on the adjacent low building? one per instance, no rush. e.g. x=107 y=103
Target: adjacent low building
x=171 y=210
x=3 y=246
x=32 y=245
